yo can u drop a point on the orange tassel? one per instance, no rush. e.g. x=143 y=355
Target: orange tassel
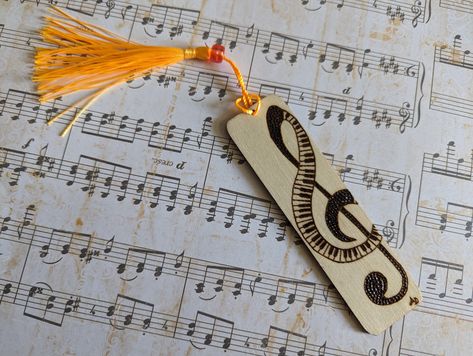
x=88 y=57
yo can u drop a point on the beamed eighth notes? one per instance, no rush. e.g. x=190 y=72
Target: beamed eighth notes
x=332 y=225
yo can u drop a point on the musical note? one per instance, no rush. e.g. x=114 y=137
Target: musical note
x=124 y=11
x=249 y=32
x=282 y=46
x=7 y=288
x=443 y=278
x=92 y=311
x=41 y=305
x=44 y=162
x=223 y=33
x=295 y=342
x=122 y=313
x=446 y=166
x=108 y=125
x=15 y=103
x=230 y=152
x=100 y=174
x=191 y=196
x=72 y=305
x=306 y=49
x=4 y=226
x=179 y=260
x=236 y=204
x=220 y=332
x=168 y=138
x=455 y=56
x=140 y=260
x=254 y=282
x=326 y=292
x=346 y=169
x=13 y=162
x=457 y=217
x=176 y=20
x=109 y=246
x=208 y=81
x=159 y=188
x=220 y=276
x=291 y=288
x=338 y=55
x=328 y=106
x=205 y=131
x=167 y=191
x=164 y=79
x=264 y=224
x=60 y=244
x=364 y=62
x=27 y=220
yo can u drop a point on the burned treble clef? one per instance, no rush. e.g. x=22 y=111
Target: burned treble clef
x=304 y=187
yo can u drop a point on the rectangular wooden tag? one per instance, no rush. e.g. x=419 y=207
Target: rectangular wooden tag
x=324 y=213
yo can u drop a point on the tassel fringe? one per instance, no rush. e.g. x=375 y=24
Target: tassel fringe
x=89 y=58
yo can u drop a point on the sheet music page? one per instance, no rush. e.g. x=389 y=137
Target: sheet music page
x=145 y=232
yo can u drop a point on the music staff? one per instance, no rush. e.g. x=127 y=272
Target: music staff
x=401 y=115
x=42 y=302
x=194 y=24
x=446 y=57
x=397 y=11
x=455 y=55
x=126 y=129
x=106 y=178
x=457 y=5
x=210 y=280
x=455 y=216
x=444 y=291
x=175 y=139
x=364 y=59
x=448 y=165
x=229 y=34
x=123 y=128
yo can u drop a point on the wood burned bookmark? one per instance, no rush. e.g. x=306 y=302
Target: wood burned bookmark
x=324 y=213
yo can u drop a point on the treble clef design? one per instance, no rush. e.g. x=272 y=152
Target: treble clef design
x=417 y=12
x=303 y=189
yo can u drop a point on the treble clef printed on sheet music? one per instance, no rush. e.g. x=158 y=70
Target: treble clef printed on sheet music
x=306 y=188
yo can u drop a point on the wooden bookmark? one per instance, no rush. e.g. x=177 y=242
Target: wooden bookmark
x=332 y=225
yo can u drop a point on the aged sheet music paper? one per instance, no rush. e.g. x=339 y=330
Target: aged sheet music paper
x=146 y=232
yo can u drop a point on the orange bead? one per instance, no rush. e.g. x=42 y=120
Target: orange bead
x=217 y=53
